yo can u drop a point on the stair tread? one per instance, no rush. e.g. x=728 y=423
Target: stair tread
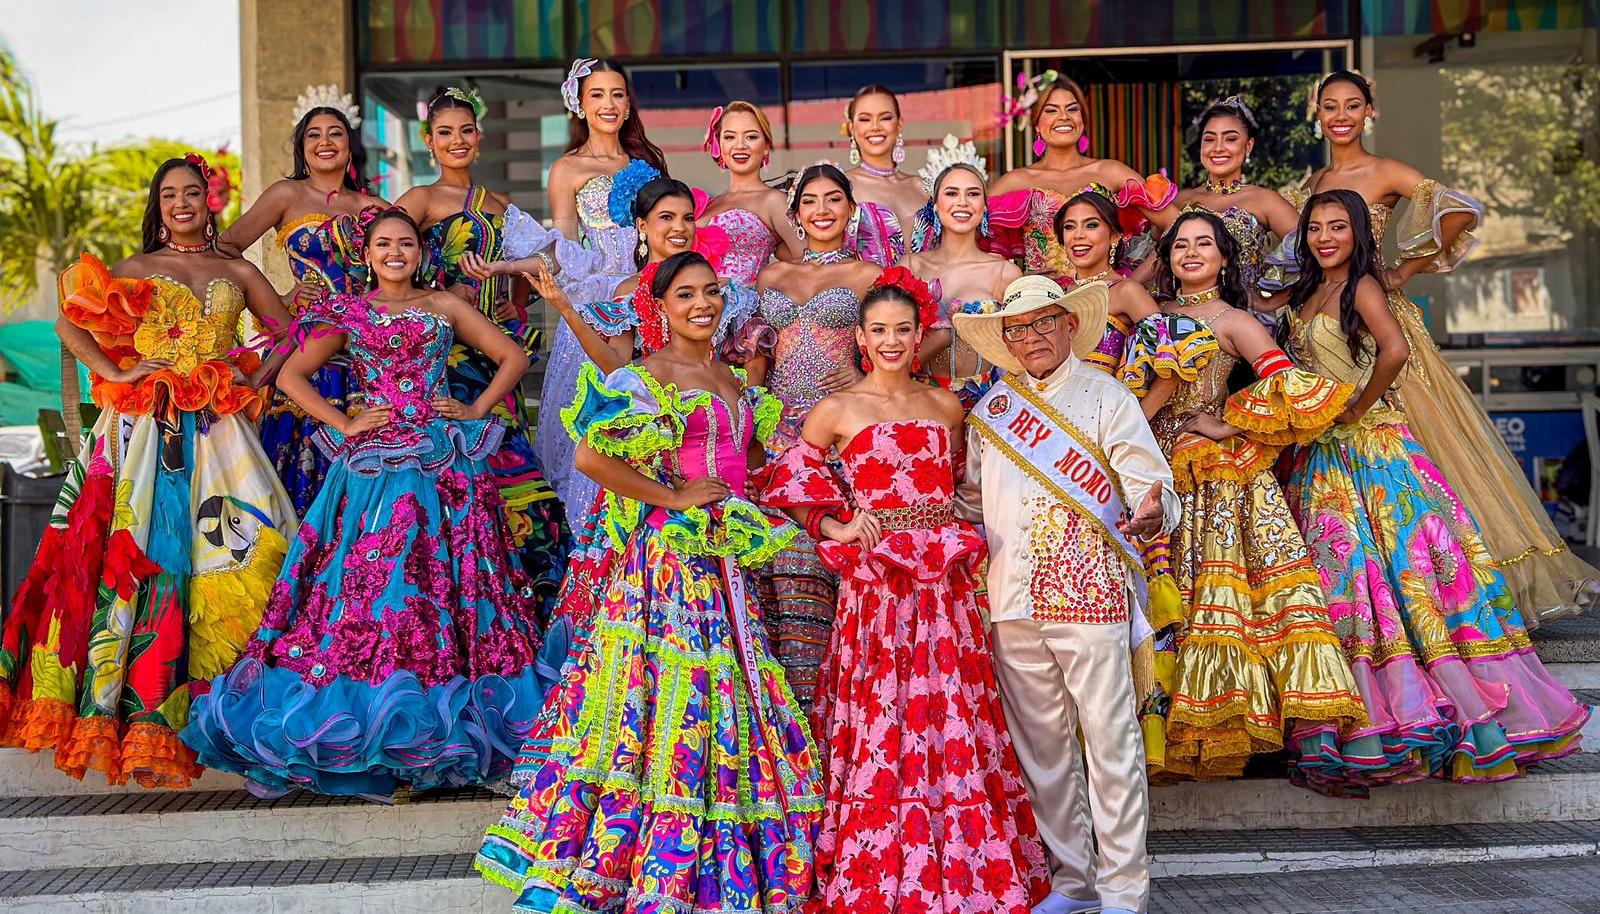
x=176 y=801
x=1164 y=846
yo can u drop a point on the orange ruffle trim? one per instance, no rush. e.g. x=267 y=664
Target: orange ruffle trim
x=149 y=754
x=1197 y=460
x=1289 y=407
x=110 y=308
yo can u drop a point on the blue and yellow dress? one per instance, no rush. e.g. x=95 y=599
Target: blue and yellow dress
x=532 y=511
x=326 y=251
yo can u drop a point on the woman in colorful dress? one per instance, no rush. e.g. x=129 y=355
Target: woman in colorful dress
x=398 y=646
x=1024 y=201
x=317 y=213
x=877 y=147
x=806 y=328
x=671 y=767
x=926 y=808
x=961 y=274
x=171 y=524
x=745 y=226
x=1547 y=581
x=592 y=188
x=1257 y=653
x=1090 y=234
x=1254 y=215
x=1451 y=683
x=465 y=224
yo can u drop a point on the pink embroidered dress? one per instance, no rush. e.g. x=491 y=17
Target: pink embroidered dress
x=926 y=807
x=398 y=643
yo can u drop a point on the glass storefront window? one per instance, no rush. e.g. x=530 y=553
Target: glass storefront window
x=1097 y=23
x=1513 y=120
x=845 y=26
x=699 y=28
x=677 y=103
x=390 y=32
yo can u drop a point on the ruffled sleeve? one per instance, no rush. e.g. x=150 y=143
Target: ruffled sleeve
x=108 y=307
x=1164 y=346
x=800 y=478
x=876 y=236
x=1008 y=215
x=1155 y=192
x=767 y=410
x=740 y=306
x=1421 y=237
x=1280 y=269
x=1287 y=407
x=581 y=272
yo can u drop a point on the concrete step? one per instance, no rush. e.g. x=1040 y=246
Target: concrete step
x=1183 y=863
x=34 y=774
x=233 y=826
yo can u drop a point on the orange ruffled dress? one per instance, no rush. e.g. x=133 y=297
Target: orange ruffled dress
x=162 y=548
x=1257 y=650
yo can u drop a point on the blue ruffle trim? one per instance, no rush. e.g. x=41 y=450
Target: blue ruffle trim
x=351 y=738
x=443 y=442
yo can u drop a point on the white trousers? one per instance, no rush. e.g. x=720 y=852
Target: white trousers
x=1058 y=679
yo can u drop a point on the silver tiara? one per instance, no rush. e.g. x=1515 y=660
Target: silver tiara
x=327 y=96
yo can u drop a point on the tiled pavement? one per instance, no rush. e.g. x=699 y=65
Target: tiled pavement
x=1565 y=886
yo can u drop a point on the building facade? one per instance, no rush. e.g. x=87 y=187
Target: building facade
x=1498 y=97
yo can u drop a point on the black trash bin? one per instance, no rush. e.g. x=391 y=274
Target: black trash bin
x=25 y=505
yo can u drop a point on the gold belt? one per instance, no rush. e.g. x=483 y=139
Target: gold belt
x=916 y=517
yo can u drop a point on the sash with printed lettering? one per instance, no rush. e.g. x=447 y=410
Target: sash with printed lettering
x=1056 y=454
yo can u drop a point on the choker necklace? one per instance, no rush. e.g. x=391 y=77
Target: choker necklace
x=189 y=248
x=1095 y=278
x=874 y=170
x=1199 y=298
x=837 y=255
x=1232 y=187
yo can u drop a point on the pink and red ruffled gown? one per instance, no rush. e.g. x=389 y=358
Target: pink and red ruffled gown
x=925 y=806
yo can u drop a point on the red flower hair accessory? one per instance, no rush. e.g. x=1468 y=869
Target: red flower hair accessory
x=653 y=331
x=907 y=282
x=712 y=144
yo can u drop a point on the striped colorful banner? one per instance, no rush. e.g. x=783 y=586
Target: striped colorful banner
x=1132 y=122
x=846 y=26
x=648 y=28
x=1112 y=23
x=429 y=31
x=1445 y=17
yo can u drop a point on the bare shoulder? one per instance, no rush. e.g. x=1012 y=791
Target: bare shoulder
x=1015 y=179
x=626 y=287
x=946 y=405
x=774 y=274
x=139 y=266
x=863 y=274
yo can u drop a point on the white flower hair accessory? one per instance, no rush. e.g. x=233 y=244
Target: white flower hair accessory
x=581 y=67
x=327 y=96
x=950 y=153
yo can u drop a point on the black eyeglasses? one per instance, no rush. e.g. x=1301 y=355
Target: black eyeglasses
x=1016 y=333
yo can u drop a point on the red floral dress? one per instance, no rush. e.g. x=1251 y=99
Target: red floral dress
x=926 y=809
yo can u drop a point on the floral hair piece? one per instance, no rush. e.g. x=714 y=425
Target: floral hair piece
x=581 y=67
x=327 y=96
x=471 y=97
x=625 y=185
x=653 y=332
x=949 y=154
x=713 y=145
x=1316 y=91
x=907 y=282
x=1013 y=109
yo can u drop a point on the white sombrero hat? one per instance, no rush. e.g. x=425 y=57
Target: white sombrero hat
x=1026 y=295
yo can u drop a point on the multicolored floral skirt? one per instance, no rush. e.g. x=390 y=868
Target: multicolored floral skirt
x=538 y=531
x=160 y=554
x=663 y=774
x=286 y=433
x=1450 y=681
x=398 y=645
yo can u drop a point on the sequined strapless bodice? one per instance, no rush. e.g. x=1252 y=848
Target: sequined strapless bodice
x=815 y=339
x=326 y=250
x=614 y=242
x=184 y=328
x=716 y=435
x=750 y=245
x=398 y=360
x=1248 y=233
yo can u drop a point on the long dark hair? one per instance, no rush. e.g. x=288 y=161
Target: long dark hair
x=631 y=136
x=1102 y=205
x=824 y=170
x=152 y=206
x=1230 y=283
x=671 y=267
x=1364 y=262
x=355 y=177
x=652 y=193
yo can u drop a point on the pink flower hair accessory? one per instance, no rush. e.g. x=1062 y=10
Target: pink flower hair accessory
x=713 y=144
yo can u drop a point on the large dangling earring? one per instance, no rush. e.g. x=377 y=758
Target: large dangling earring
x=211 y=228
x=163 y=233
x=1114 y=245
x=433 y=161
x=666 y=329
x=866 y=362
x=1083 y=144
x=1038 y=147
x=983 y=225
x=1316 y=129
x=766 y=159
x=899 y=154
x=1366 y=126
x=855 y=153
x=582 y=116
x=643 y=248
x=799 y=231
